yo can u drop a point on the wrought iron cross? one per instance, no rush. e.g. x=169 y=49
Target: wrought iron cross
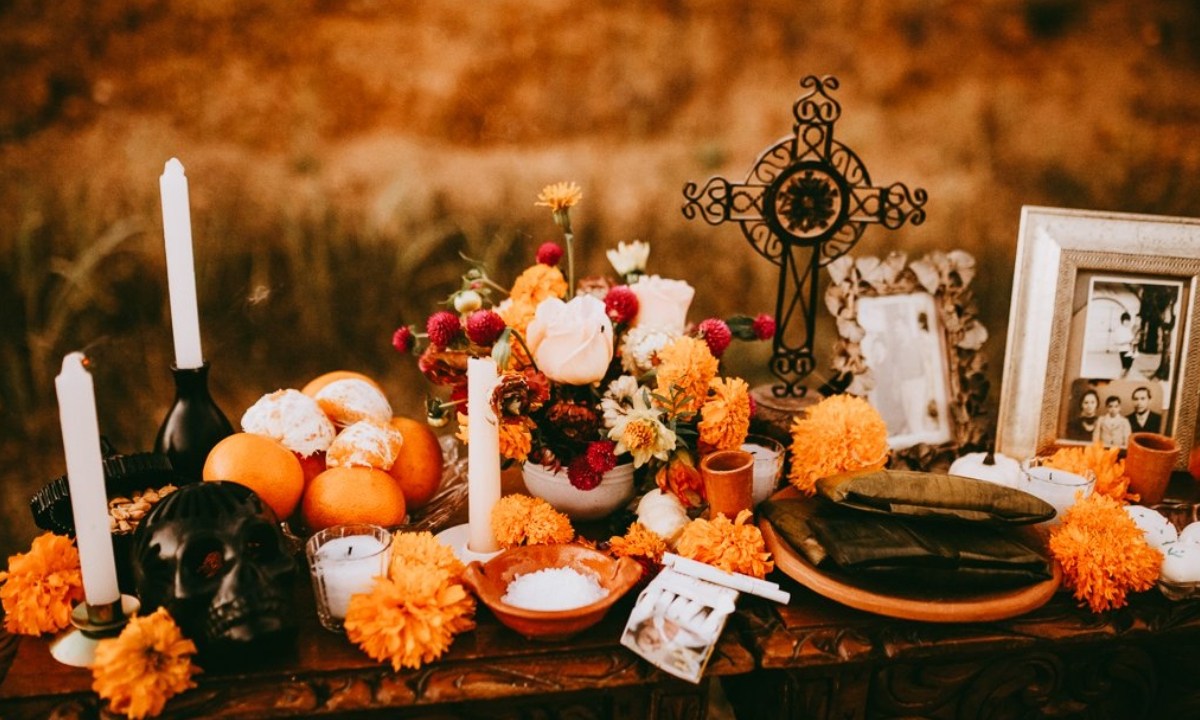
x=807 y=193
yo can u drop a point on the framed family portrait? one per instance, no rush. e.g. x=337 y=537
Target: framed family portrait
x=1102 y=331
x=910 y=343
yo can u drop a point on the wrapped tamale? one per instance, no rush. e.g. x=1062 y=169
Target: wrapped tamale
x=930 y=495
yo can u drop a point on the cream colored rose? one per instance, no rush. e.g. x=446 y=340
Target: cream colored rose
x=571 y=342
x=662 y=304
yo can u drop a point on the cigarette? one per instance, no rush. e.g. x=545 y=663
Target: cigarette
x=737 y=581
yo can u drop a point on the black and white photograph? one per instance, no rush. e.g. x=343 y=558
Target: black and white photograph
x=905 y=350
x=1109 y=411
x=1130 y=331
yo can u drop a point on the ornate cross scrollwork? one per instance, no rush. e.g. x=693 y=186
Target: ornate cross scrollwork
x=805 y=203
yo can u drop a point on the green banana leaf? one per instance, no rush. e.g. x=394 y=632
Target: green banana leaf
x=931 y=495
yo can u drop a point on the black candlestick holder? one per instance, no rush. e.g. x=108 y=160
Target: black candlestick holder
x=193 y=425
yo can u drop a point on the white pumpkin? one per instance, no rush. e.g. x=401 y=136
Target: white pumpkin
x=662 y=513
x=1002 y=471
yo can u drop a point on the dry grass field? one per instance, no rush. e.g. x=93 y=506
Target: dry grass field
x=342 y=155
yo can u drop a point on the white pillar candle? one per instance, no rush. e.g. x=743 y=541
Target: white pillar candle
x=348 y=566
x=181 y=274
x=85 y=476
x=483 y=455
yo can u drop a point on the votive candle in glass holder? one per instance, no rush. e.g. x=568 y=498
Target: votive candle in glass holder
x=345 y=560
x=1057 y=487
x=768 y=465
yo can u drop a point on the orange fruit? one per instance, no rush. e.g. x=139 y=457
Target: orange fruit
x=418 y=467
x=344 y=495
x=261 y=464
x=314 y=386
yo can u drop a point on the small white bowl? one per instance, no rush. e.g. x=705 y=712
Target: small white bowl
x=615 y=489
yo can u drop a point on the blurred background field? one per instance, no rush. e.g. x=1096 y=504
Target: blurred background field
x=342 y=155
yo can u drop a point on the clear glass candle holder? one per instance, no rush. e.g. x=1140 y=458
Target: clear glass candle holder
x=1058 y=487
x=768 y=465
x=345 y=560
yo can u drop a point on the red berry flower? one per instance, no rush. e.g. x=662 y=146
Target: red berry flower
x=484 y=327
x=600 y=455
x=764 y=326
x=716 y=333
x=621 y=304
x=753 y=406
x=403 y=339
x=443 y=327
x=581 y=473
x=549 y=253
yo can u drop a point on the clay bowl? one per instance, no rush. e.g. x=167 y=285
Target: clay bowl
x=490 y=581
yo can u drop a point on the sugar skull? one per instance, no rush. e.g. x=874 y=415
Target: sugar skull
x=212 y=553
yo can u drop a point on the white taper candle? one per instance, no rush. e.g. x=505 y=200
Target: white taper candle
x=181 y=273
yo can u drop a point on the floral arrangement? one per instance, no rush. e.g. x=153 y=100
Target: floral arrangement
x=1103 y=553
x=41 y=586
x=411 y=616
x=733 y=546
x=149 y=663
x=841 y=433
x=1103 y=462
x=593 y=371
x=523 y=520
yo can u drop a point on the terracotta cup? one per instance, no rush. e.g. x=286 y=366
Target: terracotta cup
x=1149 y=460
x=728 y=481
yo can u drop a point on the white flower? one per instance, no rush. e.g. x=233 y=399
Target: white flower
x=662 y=304
x=571 y=342
x=629 y=258
x=639 y=346
x=639 y=431
x=618 y=397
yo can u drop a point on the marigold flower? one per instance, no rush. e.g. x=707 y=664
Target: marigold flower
x=410 y=617
x=731 y=546
x=685 y=368
x=725 y=415
x=150 y=662
x=41 y=586
x=516 y=439
x=1103 y=553
x=524 y=520
x=841 y=433
x=1111 y=479
x=412 y=549
x=640 y=542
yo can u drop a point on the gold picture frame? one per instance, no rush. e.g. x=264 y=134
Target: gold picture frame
x=1103 y=304
x=935 y=291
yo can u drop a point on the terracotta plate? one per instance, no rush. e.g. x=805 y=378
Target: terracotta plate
x=978 y=607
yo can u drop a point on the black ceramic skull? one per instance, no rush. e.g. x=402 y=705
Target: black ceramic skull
x=213 y=554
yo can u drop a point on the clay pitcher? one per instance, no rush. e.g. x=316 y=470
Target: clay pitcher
x=728 y=481
x=1149 y=460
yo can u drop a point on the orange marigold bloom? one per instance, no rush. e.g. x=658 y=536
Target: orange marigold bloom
x=1103 y=553
x=524 y=520
x=638 y=541
x=41 y=586
x=1111 y=479
x=842 y=433
x=149 y=663
x=731 y=546
x=725 y=416
x=412 y=549
x=685 y=368
x=681 y=478
x=410 y=618
x=515 y=438
x=537 y=283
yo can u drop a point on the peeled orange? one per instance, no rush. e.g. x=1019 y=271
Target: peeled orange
x=418 y=466
x=314 y=386
x=261 y=464
x=344 y=495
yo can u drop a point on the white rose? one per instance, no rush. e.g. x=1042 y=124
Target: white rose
x=629 y=258
x=662 y=304
x=571 y=342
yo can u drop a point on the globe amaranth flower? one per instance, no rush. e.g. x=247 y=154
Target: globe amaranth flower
x=549 y=253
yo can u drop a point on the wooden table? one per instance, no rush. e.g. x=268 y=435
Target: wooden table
x=490 y=672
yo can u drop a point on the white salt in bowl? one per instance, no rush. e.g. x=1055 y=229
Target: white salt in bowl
x=489 y=581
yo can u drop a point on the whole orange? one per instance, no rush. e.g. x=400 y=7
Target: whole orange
x=418 y=467
x=261 y=464
x=314 y=386
x=344 y=495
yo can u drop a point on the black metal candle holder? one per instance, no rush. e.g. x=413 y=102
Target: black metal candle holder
x=92 y=624
x=193 y=425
